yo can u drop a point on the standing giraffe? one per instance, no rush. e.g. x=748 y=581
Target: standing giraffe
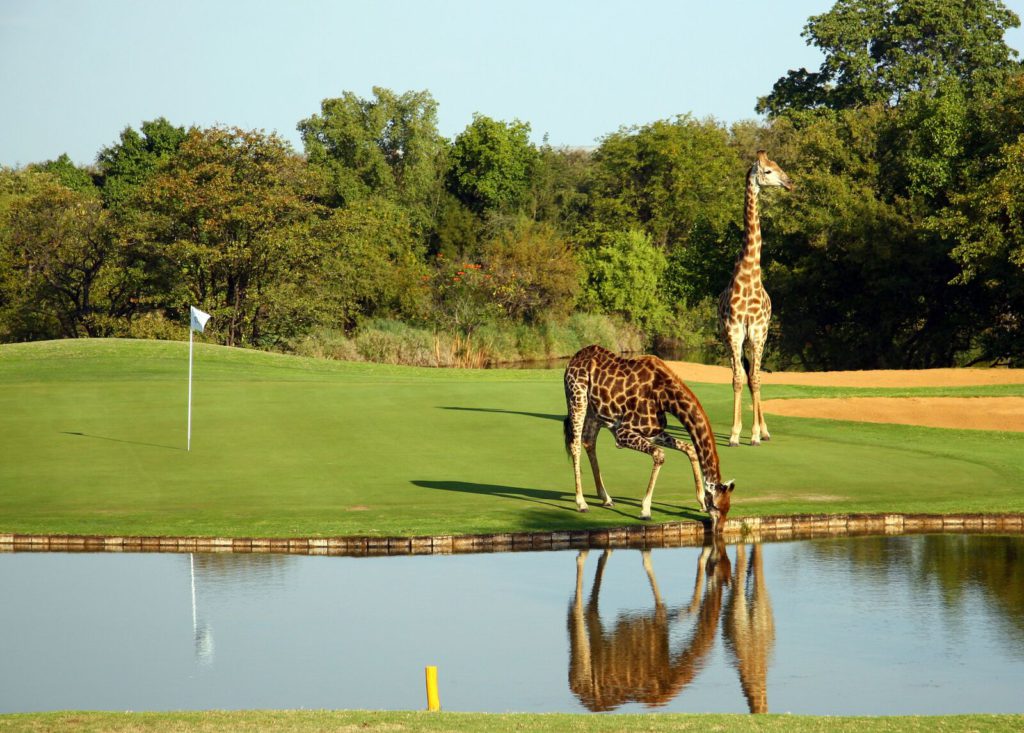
x=630 y=397
x=744 y=308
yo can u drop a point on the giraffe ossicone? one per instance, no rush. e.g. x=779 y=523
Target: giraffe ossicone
x=744 y=308
x=631 y=397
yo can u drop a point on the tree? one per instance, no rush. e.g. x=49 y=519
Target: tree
x=223 y=211
x=68 y=174
x=857 y=281
x=367 y=264
x=984 y=224
x=534 y=270
x=387 y=146
x=126 y=165
x=680 y=182
x=623 y=276
x=57 y=250
x=491 y=164
x=883 y=50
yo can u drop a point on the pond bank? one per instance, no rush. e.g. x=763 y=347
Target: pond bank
x=669 y=534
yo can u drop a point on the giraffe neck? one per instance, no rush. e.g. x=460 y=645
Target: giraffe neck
x=688 y=411
x=748 y=266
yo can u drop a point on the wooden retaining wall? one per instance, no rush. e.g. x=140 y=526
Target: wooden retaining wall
x=671 y=534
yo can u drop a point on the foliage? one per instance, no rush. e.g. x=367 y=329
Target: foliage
x=126 y=165
x=367 y=263
x=463 y=294
x=901 y=246
x=387 y=147
x=668 y=178
x=222 y=212
x=535 y=272
x=883 y=50
x=57 y=261
x=68 y=174
x=491 y=165
x=987 y=223
x=623 y=276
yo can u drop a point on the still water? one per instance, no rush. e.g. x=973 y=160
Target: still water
x=898 y=625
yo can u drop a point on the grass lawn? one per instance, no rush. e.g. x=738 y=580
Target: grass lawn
x=92 y=441
x=415 y=722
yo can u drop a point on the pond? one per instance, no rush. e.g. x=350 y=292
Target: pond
x=868 y=626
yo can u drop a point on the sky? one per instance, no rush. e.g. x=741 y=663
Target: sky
x=75 y=73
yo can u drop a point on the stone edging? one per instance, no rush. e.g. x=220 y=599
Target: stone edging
x=670 y=534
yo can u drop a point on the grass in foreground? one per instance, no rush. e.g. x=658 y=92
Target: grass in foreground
x=92 y=438
x=414 y=722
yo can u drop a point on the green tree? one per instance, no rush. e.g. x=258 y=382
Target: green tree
x=857 y=281
x=127 y=164
x=623 y=276
x=223 y=211
x=69 y=174
x=491 y=165
x=368 y=264
x=57 y=253
x=386 y=146
x=681 y=182
x=883 y=50
x=535 y=273
x=986 y=225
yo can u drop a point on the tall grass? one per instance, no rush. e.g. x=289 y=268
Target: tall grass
x=395 y=342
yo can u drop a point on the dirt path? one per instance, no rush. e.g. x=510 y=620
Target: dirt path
x=973 y=413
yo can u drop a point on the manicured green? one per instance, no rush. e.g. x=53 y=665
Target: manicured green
x=92 y=438
x=413 y=722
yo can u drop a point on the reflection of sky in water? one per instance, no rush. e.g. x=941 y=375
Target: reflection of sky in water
x=867 y=626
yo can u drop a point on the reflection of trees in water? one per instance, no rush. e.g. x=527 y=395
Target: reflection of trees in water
x=952 y=564
x=635 y=659
x=213 y=572
x=239 y=570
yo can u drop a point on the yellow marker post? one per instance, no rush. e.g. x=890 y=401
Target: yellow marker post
x=433 y=701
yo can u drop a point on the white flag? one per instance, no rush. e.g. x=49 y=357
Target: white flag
x=199 y=319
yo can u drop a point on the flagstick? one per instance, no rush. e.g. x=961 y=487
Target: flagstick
x=188 y=444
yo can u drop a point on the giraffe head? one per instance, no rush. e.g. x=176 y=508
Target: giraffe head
x=717 y=499
x=768 y=173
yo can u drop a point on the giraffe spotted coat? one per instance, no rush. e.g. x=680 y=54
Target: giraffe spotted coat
x=631 y=397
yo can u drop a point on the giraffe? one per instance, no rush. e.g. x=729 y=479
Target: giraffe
x=744 y=308
x=630 y=397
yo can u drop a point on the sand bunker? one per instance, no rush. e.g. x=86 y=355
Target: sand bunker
x=972 y=413
x=969 y=413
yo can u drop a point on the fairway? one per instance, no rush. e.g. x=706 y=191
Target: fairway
x=92 y=441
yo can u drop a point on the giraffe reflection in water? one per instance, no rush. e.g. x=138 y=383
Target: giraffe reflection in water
x=636 y=660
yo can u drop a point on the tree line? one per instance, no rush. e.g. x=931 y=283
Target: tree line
x=902 y=245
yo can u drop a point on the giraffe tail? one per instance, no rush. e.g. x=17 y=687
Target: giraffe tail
x=567 y=429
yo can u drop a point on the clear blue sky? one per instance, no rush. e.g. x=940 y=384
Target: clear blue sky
x=74 y=73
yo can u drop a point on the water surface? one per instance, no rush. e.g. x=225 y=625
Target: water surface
x=866 y=626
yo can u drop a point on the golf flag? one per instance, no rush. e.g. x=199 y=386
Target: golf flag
x=198 y=323
x=199 y=319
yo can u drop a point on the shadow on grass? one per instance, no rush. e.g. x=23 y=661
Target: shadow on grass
x=541 y=415
x=564 y=501
x=122 y=440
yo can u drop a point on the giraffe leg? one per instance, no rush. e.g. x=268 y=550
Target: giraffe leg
x=645 y=556
x=759 y=430
x=738 y=377
x=576 y=402
x=591 y=428
x=670 y=442
x=626 y=438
